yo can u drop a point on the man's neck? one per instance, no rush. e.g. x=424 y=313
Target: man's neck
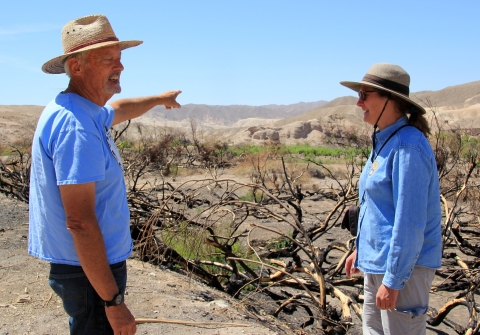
x=91 y=96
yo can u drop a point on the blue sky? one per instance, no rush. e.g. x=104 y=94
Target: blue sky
x=247 y=52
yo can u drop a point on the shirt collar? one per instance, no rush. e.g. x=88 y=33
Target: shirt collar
x=382 y=135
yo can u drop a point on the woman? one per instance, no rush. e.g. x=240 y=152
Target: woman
x=398 y=245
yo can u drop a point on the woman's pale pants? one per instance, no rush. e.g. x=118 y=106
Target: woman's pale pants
x=409 y=315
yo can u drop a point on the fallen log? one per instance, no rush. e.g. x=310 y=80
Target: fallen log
x=443 y=312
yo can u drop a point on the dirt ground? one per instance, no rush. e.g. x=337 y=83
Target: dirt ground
x=28 y=305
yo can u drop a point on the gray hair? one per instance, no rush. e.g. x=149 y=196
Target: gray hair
x=81 y=56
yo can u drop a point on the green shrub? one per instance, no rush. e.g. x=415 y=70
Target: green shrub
x=252 y=196
x=125 y=145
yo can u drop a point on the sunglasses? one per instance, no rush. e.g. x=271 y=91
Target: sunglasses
x=362 y=95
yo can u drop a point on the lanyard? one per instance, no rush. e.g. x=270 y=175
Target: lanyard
x=375 y=154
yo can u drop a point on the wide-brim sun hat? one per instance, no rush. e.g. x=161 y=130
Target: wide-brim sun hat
x=390 y=78
x=82 y=34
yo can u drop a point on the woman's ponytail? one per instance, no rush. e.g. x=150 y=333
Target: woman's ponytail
x=420 y=122
x=414 y=119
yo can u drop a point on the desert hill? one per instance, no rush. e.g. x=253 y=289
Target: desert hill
x=459 y=106
x=17 y=123
x=452 y=97
x=312 y=122
x=228 y=115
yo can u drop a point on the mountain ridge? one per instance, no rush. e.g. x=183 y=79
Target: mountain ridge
x=311 y=122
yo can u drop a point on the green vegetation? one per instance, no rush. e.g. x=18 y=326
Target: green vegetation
x=176 y=143
x=310 y=152
x=125 y=145
x=470 y=147
x=5 y=151
x=189 y=242
x=246 y=149
x=315 y=151
x=15 y=150
x=279 y=242
x=252 y=196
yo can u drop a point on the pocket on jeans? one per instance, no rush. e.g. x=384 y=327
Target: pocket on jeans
x=72 y=289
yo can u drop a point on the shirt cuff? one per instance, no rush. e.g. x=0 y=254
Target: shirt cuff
x=395 y=283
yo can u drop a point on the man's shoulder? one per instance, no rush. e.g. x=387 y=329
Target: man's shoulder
x=74 y=107
x=70 y=112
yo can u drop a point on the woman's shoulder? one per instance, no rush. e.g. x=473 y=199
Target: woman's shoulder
x=411 y=137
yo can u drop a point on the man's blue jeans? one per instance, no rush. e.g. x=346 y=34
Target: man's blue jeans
x=80 y=300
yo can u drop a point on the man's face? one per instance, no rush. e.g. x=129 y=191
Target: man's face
x=102 y=72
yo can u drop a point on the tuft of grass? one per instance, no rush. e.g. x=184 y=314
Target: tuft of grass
x=246 y=149
x=252 y=196
x=319 y=154
x=189 y=242
x=125 y=145
x=278 y=243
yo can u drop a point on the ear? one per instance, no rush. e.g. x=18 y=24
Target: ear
x=75 y=65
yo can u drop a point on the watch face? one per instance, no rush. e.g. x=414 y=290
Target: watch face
x=118 y=300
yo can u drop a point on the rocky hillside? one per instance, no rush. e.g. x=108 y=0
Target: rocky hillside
x=458 y=106
x=213 y=116
x=315 y=122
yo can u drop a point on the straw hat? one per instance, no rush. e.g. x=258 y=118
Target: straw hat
x=85 y=33
x=387 y=77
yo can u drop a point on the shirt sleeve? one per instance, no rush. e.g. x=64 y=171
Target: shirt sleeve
x=411 y=172
x=78 y=157
x=109 y=115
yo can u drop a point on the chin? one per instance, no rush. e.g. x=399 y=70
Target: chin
x=113 y=90
x=365 y=117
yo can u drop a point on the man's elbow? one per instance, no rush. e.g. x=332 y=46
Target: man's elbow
x=78 y=225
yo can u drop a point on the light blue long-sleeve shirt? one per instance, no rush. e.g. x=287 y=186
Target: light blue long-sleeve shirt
x=400 y=216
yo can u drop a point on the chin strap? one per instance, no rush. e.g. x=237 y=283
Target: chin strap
x=376 y=126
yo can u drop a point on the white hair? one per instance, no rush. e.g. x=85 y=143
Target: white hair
x=81 y=56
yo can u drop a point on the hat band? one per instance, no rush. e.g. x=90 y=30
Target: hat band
x=388 y=84
x=80 y=46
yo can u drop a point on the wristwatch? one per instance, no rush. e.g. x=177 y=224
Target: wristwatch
x=117 y=300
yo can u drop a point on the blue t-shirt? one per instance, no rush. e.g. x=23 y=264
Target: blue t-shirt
x=72 y=145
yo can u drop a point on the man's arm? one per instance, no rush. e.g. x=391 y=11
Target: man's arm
x=127 y=109
x=79 y=204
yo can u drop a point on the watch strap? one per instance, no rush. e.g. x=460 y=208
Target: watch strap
x=117 y=300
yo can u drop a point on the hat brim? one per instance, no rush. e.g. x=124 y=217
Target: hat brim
x=356 y=85
x=55 y=65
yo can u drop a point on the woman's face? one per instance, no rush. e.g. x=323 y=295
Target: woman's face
x=372 y=105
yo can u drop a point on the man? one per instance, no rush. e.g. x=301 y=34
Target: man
x=79 y=217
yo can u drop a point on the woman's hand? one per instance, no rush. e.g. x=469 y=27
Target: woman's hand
x=386 y=297
x=349 y=268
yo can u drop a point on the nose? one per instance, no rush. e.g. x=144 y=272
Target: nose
x=119 y=66
x=360 y=102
